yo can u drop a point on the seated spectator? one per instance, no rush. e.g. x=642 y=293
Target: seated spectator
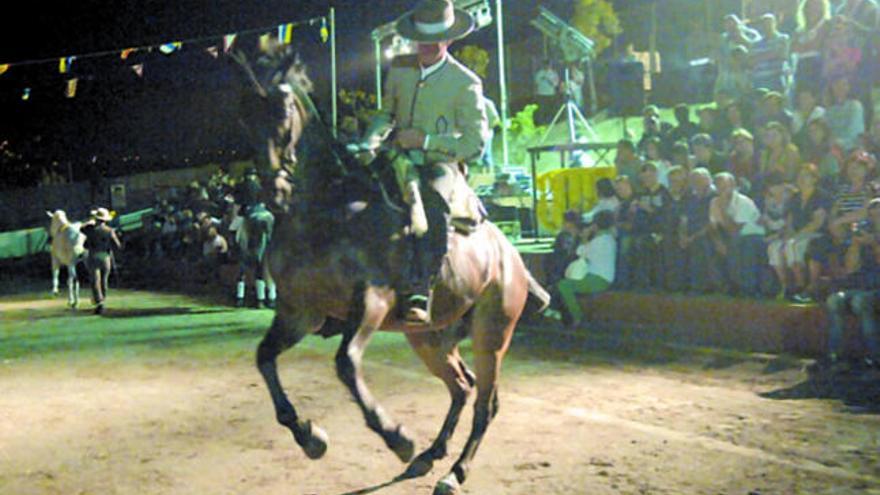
x=681 y=156
x=654 y=153
x=705 y=155
x=594 y=269
x=608 y=200
x=805 y=222
x=844 y=114
x=769 y=56
x=848 y=207
x=734 y=118
x=777 y=195
x=738 y=235
x=807 y=110
x=858 y=295
x=780 y=155
x=743 y=159
x=564 y=246
x=645 y=256
x=624 y=228
x=709 y=123
x=871 y=140
x=674 y=255
x=627 y=162
x=703 y=274
x=821 y=149
x=685 y=129
x=653 y=127
x=214 y=248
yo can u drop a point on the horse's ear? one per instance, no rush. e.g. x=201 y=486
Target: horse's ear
x=49 y=214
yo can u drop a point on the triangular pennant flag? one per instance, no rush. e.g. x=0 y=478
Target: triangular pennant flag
x=3 y=68
x=125 y=53
x=285 y=33
x=71 y=88
x=228 y=40
x=64 y=64
x=138 y=69
x=169 y=48
x=213 y=51
x=325 y=33
x=26 y=95
x=264 y=42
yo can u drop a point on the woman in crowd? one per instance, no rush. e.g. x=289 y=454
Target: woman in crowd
x=742 y=161
x=805 y=222
x=779 y=155
x=844 y=113
x=821 y=150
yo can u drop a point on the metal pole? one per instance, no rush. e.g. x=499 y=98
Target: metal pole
x=377 y=51
x=502 y=81
x=333 y=88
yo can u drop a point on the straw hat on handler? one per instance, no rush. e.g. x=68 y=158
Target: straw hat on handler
x=433 y=21
x=101 y=214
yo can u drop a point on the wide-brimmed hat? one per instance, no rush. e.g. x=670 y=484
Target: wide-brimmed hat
x=102 y=214
x=434 y=21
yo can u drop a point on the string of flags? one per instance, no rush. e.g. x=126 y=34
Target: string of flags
x=283 y=33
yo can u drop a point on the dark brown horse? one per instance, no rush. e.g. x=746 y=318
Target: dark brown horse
x=336 y=260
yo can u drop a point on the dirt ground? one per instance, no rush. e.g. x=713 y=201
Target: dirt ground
x=161 y=396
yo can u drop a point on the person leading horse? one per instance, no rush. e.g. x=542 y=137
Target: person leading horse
x=436 y=111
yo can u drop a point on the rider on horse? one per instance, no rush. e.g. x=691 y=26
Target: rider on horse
x=435 y=106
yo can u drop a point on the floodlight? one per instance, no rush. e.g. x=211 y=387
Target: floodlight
x=574 y=46
x=480 y=10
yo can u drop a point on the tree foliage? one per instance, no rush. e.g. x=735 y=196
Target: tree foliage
x=597 y=20
x=474 y=58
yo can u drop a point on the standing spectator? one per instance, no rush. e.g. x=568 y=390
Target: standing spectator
x=653 y=128
x=845 y=114
x=779 y=155
x=685 y=129
x=807 y=42
x=736 y=80
x=702 y=270
x=871 y=140
x=624 y=221
x=859 y=296
x=821 y=150
x=627 y=162
x=575 y=87
x=769 y=57
x=705 y=155
x=487 y=161
x=736 y=34
x=654 y=153
x=862 y=20
x=214 y=247
x=101 y=241
x=806 y=220
x=546 y=86
x=674 y=256
x=743 y=160
x=738 y=235
x=648 y=209
x=594 y=270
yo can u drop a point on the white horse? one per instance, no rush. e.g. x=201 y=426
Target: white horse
x=68 y=248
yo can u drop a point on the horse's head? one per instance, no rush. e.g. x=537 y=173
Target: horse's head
x=58 y=219
x=273 y=109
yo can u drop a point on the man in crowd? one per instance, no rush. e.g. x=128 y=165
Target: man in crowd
x=769 y=56
x=546 y=88
x=738 y=235
x=627 y=161
x=703 y=271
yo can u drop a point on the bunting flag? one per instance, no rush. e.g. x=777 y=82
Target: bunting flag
x=169 y=48
x=26 y=95
x=325 y=33
x=64 y=64
x=71 y=88
x=228 y=40
x=264 y=42
x=3 y=68
x=213 y=51
x=285 y=33
x=125 y=53
x=138 y=69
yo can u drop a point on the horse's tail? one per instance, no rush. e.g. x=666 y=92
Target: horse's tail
x=538 y=299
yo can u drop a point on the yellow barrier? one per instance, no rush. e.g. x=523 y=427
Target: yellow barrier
x=567 y=189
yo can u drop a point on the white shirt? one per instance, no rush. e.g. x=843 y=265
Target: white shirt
x=601 y=255
x=743 y=211
x=605 y=204
x=427 y=71
x=546 y=82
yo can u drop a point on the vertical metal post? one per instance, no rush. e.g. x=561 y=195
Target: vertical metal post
x=333 y=88
x=377 y=52
x=502 y=80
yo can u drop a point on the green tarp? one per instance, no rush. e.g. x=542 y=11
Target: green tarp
x=21 y=243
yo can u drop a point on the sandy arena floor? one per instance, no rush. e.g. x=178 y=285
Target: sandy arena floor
x=160 y=396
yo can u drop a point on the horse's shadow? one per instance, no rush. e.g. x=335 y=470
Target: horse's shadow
x=375 y=488
x=147 y=312
x=859 y=391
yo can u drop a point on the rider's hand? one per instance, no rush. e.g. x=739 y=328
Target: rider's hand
x=410 y=139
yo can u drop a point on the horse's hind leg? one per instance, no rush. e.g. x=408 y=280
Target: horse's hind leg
x=72 y=285
x=348 y=368
x=285 y=332
x=491 y=336
x=56 y=270
x=440 y=355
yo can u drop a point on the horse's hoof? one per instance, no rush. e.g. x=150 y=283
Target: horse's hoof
x=401 y=444
x=447 y=486
x=316 y=445
x=422 y=465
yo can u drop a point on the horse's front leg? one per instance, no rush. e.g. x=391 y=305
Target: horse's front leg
x=56 y=270
x=348 y=368
x=72 y=286
x=286 y=331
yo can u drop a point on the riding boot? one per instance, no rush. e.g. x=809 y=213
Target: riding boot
x=261 y=293
x=239 y=294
